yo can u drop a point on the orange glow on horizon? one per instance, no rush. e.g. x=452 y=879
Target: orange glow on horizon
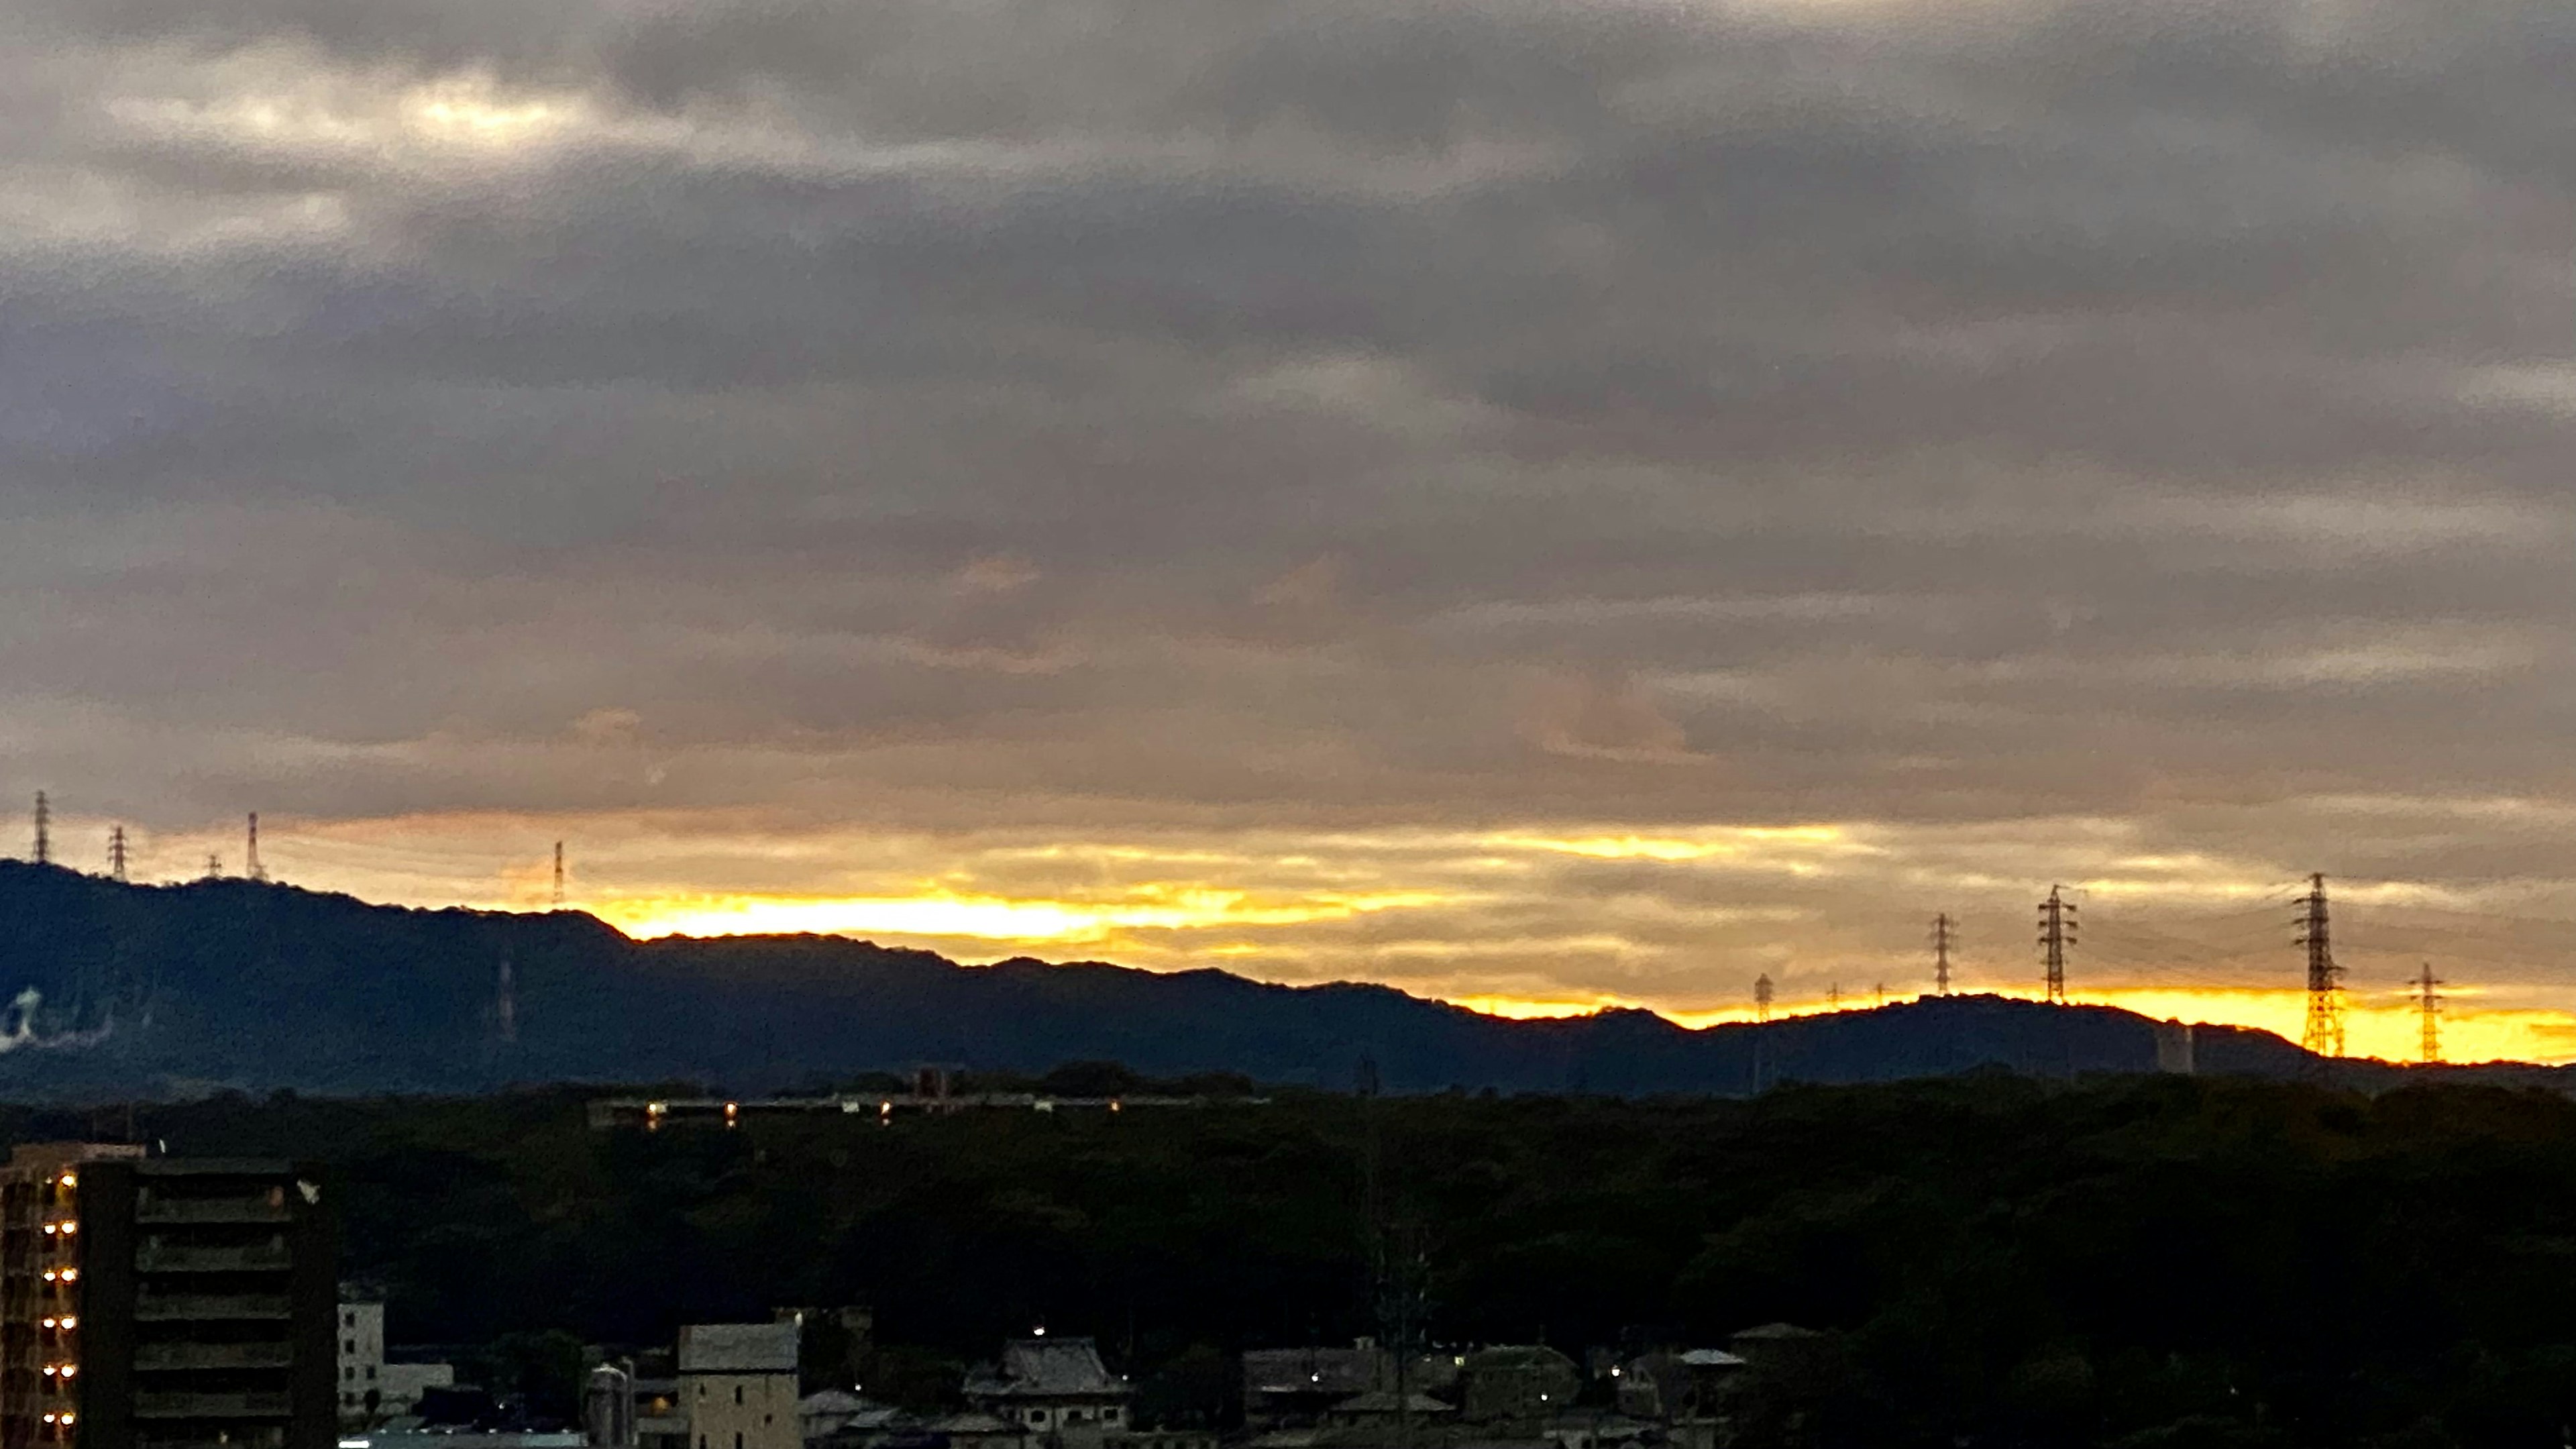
x=2385 y=1031
x=943 y=915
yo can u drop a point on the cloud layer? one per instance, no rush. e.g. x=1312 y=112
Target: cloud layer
x=805 y=449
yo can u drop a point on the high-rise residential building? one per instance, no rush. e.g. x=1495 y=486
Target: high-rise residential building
x=164 y=1302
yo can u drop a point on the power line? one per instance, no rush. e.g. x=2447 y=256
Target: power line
x=2324 y=1032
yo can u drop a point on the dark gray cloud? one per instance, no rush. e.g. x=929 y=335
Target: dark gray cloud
x=1318 y=416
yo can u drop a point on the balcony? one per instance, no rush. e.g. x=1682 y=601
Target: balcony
x=212 y=1356
x=171 y=1259
x=210 y=1210
x=211 y=1406
x=172 y=1307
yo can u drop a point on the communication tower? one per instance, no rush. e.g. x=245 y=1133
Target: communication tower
x=250 y=852
x=1941 y=954
x=1762 y=997
x=44 y=830
x=2324 y=1033
x=2056 y=933
x=559 y=876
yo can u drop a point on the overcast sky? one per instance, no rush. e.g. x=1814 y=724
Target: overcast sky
x=1564 y=502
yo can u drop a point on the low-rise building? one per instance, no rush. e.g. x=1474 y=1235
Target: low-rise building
x=1055 y=1389
x=1517 y=1387
x=372 y=1388
x=1297 y=1386
x=738 y=1385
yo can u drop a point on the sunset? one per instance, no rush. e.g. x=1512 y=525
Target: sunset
x=1287 y=724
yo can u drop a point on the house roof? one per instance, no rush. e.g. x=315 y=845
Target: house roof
x=970 y=1422
x=1711 y=1358
x=1776 y=1332
x=1383 y=1402
x=738 y=1348
x=1517 y=1355
x=1314 y=1370
x=1048 y=1368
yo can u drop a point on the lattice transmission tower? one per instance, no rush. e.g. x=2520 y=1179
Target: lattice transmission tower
x=2056 y=933
x=2324 y=1033
x=1941 y=954
x=2430 y=1005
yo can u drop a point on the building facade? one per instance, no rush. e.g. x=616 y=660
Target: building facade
x=373 y=1390
x=165 y=1303
x=739 y=1382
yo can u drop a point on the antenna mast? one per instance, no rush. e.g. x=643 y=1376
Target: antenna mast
x=44 y=830
x=2324 y=1033
x=2056 y=933
x=1941 y=954
x=250 y=854
x=2431 y=1006
x=559 y=892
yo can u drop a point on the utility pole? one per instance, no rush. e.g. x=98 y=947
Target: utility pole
x=44 y=830
x=1941 y=954
x=250 y=854
x=1762 y=997
x=2056 y=933
x=116 y=854
x=2324 y=1033
x=559 y=894
x=2431 y=1006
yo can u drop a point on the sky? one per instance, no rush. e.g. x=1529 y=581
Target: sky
x=1546 y=505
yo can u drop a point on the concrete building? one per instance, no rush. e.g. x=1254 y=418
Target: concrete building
x=738 y=1383
x=372 y=1390
x=160 y=1302
x=1055 y=1388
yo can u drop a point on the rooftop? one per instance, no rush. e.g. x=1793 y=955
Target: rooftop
x=1047 y=1368
x=738 y=1348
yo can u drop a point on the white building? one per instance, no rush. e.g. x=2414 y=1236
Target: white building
x=372 y=1390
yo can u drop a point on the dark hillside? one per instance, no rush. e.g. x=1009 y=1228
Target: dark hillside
x=173 y=990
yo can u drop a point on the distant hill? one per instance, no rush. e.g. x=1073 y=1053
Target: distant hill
x=180 y=990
